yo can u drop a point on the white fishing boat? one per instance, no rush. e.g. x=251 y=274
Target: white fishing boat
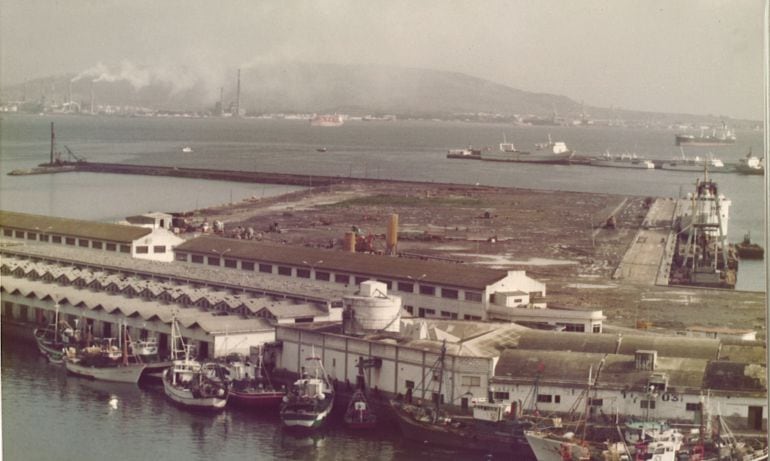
x=108 y=360
x=310 y=400
x=191 y=383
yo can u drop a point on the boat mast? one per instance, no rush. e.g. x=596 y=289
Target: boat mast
x=440 y=379
x=56 y=315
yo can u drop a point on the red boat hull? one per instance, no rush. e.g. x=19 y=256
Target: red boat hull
x=265 y=400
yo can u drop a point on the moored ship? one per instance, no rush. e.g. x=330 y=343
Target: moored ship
x=716 y=138
x=702 y=256
x=750 y=165
x=550 y=153
x=622 y=161
x=311 y=399
x=493 y=429
x=328 y=120
x=191 y=383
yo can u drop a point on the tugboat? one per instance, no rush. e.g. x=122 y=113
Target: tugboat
x=492 y=430
x=310 y=401
x=359 y=413
x=748 y=250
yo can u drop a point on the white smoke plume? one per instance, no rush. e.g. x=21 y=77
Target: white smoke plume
x=178 y=78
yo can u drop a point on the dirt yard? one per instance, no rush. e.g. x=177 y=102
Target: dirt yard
x=560 y=238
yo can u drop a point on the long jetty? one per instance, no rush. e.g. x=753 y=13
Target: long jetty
x=262 y=177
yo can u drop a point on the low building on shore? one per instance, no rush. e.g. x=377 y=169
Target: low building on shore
x=153 y=243
x=429 y=289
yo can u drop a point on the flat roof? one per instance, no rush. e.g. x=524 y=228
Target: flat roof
x=429 y=272
x=71 y=227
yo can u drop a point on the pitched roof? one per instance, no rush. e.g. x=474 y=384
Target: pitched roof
x=71 y=227
x=442 y=273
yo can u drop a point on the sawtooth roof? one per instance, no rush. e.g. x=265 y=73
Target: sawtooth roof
x=440 y=273
x=71 y=227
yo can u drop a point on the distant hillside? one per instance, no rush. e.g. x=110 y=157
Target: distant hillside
x=301 y=87
x=309 y=87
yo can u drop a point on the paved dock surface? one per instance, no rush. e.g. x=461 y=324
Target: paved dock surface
x=648 y=257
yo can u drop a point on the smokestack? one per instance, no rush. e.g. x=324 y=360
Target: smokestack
x=238 y=96
x=92 y=97
x=221 y=100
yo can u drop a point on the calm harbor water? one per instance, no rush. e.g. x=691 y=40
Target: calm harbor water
x=48 y=415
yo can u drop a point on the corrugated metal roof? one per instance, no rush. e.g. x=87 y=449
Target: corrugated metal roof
x=667 y=346
x=722 y=375
x=72 y=227
x=457 y=275
x=573 y=368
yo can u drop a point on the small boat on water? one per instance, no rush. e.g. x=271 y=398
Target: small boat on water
x=750 y=165
x=191 y=383
x=321 y=149
x=187 y=149
x=622 y=161
x=749 y=250
x=55 y=338
x=311 y=399
x=254 y=391
x=105 y=362
x=359 y=414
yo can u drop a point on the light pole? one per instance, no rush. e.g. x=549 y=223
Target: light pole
x=221 y=254
x=416 y=281
x=312 y=267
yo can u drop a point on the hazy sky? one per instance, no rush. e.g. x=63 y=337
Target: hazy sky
x=694 y=56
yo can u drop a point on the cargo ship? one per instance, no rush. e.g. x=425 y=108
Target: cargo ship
x=724 y=136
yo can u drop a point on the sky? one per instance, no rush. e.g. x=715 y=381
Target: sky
x=688 y=56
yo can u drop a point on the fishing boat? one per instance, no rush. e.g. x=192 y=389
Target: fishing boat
x=622 y=161
x=54 y=339
x=191 y=383
x=187 y=149
x=106 y=361
x=749 y=250
x=750 y=165
x=255 y=390
x=310 y=400
x=492 y=429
